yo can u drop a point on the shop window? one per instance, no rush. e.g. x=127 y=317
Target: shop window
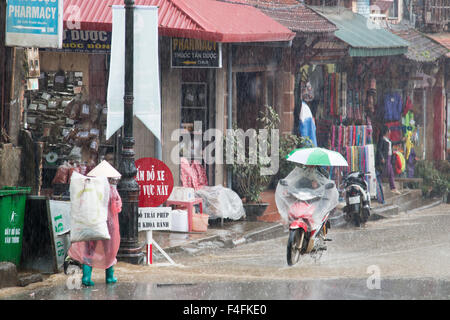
x=194 y=110
x=393 y=10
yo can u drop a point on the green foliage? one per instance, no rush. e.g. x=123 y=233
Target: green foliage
x=248 y=182
x=247 y=179
x=436 y=177
x=289 y=142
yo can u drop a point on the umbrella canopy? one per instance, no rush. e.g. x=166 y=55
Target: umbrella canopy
x=104 y=169
x=317 y=157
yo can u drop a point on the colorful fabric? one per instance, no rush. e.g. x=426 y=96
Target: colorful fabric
x=396 y=133
x=408 y=144
x=101 y=253
x=187 y=175
x=408 y=123
x=400 y=164
x=408 y=106
x=200 y=173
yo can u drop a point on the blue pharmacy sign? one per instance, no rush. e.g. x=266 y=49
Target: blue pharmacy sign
x=34 y=23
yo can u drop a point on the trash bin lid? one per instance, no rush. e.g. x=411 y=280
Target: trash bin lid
x=6 y=191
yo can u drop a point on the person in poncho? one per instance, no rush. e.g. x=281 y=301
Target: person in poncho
x=101 y=253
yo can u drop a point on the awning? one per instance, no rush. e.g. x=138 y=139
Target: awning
x=422 y=48
x=292 y=14
x=442 y=38
x=364 y=38
x=199 y=19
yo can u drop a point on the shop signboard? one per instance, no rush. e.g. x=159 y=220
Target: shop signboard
x=32 y=23
x=195 y=53
x=85 y=41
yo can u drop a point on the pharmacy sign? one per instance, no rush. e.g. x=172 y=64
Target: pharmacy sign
x=34 y=23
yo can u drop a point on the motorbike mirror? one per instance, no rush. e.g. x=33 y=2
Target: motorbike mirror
x=283 y=182
x=329 y=185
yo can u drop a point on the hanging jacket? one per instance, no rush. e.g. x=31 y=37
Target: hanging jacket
x=392 y=107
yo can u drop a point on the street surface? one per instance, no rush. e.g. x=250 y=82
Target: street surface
x=404 y=257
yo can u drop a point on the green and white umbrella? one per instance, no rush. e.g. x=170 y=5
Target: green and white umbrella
x=317 y=157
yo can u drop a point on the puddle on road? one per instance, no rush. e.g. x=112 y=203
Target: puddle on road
x=330 y=289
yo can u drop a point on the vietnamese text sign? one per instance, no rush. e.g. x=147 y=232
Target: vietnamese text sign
x=34 y=23
x=195 y=53
x=87 y=41
x=155 y=182
x=154 y=218
x=60 y=224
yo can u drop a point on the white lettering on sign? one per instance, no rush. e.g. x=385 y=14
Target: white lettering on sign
x=158 y=218
x=32 y=12
x=12 y=235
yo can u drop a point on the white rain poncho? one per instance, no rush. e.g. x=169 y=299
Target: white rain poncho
x=297 y=188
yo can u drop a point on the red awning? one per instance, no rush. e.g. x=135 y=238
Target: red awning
x=199 y=19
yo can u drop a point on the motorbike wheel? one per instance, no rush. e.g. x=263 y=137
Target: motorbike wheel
x=294 y=245
x=357 y=219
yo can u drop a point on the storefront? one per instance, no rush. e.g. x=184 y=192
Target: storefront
x=347 y=92
x=66 y=115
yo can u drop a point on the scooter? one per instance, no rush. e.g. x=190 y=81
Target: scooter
x=357 y=198
x=307 y=211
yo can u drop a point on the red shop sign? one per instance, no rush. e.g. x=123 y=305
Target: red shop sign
x=155 y=182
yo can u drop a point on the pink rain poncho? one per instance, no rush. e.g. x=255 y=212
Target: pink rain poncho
x=101 y=253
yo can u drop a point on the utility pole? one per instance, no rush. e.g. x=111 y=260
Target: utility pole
x=129 y=251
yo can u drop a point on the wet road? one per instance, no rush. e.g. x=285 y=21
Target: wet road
x=405 y=257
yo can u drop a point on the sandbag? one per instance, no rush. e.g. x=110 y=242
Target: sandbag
x=89 y=198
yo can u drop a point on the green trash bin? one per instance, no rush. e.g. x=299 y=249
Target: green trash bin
x=12 y=211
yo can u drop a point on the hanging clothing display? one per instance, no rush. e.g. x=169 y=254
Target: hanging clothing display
x=393 y=107
x=350 y=136
x=362 y=158
x=408 y=123
x=396 y=132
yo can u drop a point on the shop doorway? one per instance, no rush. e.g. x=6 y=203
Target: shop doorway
x=250 y=99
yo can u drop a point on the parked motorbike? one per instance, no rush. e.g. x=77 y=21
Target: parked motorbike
x=357 y=198
x=305 y=202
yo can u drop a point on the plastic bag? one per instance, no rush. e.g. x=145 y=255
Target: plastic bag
x=89 y=198
x=298 y=189
x=221 y=202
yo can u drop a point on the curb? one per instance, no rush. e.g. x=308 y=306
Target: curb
x=265 y=233
x=8 y=275
x=220 y=241
x=428 y=206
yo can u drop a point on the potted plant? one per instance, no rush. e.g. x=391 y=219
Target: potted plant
x=248 y=182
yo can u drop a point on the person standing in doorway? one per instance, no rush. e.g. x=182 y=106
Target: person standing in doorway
x=384 y=157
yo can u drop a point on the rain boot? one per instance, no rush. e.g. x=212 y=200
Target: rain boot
x=109 y=273
x=86 y=279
